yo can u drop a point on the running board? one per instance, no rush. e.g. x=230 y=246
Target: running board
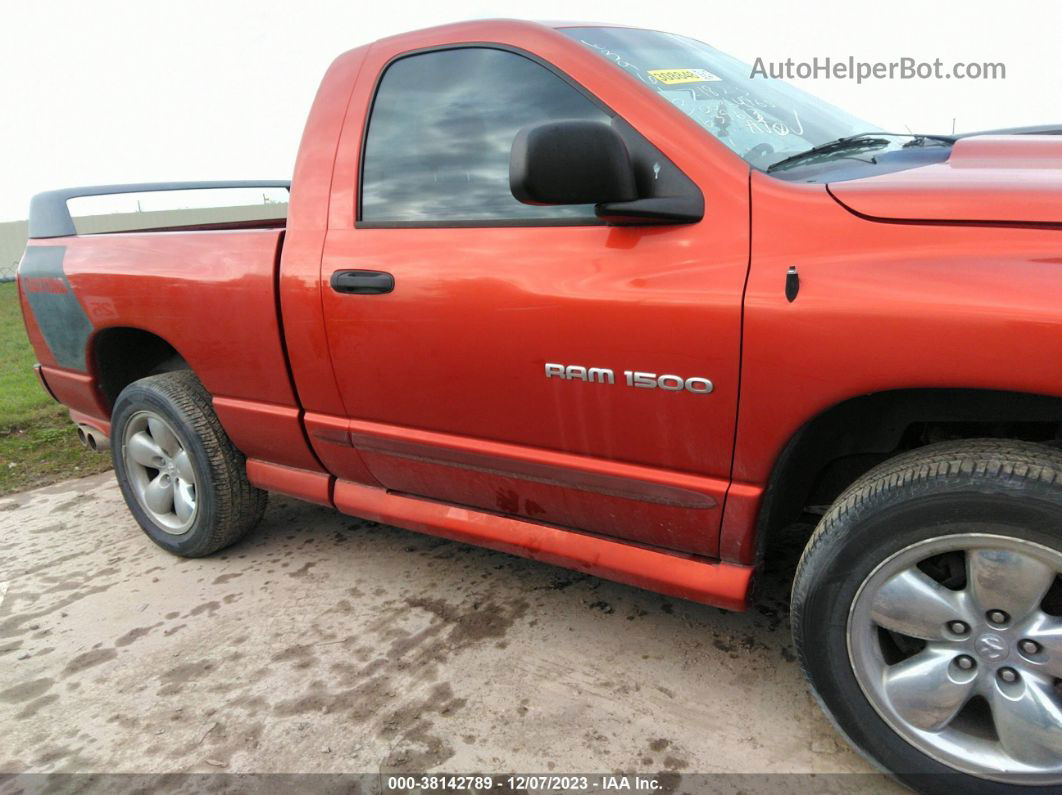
x=686 y=577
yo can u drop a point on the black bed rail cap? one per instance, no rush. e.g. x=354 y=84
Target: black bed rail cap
x=50 y=217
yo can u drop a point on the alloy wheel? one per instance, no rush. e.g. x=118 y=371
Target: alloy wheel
x=160 y=471
x=956 y=641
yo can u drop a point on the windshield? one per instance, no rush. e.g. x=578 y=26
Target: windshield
x=762 y=120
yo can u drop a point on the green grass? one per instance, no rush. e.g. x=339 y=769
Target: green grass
x=38 y=444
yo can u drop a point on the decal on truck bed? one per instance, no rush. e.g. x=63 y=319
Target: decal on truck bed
x=63 y=323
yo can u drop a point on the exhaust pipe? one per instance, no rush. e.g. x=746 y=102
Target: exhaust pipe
x=92 y=438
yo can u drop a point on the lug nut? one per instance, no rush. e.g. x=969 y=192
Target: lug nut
x=1008 y=675
x=958 y=627
x=1029 y=646
x=998 y=617
x=965 y=661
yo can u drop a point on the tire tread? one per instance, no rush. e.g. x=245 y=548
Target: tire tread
x=994 y=465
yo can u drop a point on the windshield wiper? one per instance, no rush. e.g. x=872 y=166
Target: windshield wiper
x=859 y=140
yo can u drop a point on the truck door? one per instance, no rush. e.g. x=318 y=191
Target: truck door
x=530 y=360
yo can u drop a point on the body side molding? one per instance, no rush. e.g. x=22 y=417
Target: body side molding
x=683 y=576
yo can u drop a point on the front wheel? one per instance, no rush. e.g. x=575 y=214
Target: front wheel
x=927 y=612
x=182 y=478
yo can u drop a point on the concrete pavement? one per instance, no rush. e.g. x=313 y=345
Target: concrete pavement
x=324 y=643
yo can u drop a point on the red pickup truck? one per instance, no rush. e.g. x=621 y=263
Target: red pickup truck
x=596 y=296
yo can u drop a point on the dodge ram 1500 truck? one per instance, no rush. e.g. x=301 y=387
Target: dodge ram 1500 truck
x=597 y=296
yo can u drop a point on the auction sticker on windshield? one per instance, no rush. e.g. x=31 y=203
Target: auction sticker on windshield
x=671 y=77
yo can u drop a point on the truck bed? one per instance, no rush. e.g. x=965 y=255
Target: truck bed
x=212 y=292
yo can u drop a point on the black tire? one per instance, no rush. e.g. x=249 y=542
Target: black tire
x=228 y=506
x=1014 y=488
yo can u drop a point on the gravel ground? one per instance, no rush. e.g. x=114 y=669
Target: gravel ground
x=326 y=644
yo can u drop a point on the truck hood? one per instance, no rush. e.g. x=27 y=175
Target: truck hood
x=986 y=179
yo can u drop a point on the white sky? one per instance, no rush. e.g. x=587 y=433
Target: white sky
x=99 y=91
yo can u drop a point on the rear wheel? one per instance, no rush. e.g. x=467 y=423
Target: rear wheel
x=927 y=611
x=184 y=482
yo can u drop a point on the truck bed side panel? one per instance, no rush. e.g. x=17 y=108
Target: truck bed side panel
x=210 y=295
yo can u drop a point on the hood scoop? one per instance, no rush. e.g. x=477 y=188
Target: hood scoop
x=1003 y=179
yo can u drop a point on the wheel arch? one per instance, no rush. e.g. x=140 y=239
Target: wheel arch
x=120 y=355
x=841 y=443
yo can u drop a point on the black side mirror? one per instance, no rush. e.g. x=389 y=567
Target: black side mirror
x=571 y=162
x=590 y=162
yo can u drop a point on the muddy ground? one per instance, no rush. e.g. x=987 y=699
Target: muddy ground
x=323 y=643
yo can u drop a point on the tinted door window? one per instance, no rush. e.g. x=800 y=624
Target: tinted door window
x=441 y=128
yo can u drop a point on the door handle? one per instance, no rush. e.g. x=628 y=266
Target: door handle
x=362 y=282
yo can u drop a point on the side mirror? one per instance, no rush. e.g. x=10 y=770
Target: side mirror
x=590 y=162
x=571 y=162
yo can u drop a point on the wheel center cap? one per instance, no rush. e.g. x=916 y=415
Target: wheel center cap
x=991 y=647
